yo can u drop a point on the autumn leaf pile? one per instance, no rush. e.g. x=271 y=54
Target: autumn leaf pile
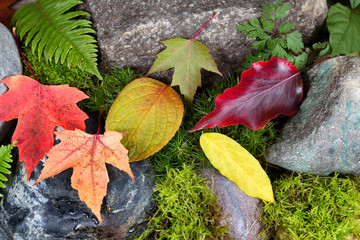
x=148 y=111
x=39 y=109
x=144 y=118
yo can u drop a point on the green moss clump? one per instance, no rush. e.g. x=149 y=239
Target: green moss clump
x=102 y=93
x=187 y=209
x=51 y=73
x=309 y=207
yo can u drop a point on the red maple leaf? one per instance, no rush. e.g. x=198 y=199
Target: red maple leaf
x=267 y=89
x=39 y=109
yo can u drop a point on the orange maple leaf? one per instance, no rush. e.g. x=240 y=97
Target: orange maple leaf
x=39 y=109
x=87 y=155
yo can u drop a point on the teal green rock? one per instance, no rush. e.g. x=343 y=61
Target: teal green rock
x=324 y=135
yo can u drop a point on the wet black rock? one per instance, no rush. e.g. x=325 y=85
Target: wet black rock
x=52 y=209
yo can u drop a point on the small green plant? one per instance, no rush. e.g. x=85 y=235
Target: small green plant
x=309 y=207
x=5 y=159
x=58 y=34
x=274 y=37
x=187 y=209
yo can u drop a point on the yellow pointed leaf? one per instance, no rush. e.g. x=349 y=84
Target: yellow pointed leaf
x=150 y=112
x=237 y=164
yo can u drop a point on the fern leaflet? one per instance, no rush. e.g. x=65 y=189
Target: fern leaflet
x=55 y=33
x=5 y=159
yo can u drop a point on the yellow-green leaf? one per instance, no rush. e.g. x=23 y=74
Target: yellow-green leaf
x=237 y=164
x=187 y=57
x=150 y=112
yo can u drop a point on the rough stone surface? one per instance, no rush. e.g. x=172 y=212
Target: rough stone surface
x=52 y=209
x=10 y=64
x=20 y=3
x=324 y=135
x=129 y=32
x=241 y=211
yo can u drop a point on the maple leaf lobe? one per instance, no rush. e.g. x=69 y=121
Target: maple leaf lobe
x=187 y=57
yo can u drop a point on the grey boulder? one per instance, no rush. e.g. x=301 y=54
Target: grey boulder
x=10 y=65
x=129 y=32
x=324 y=135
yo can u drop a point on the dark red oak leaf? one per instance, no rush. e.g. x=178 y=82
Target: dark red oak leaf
x=267 y=89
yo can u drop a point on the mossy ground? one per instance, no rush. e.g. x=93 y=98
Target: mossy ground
x=187 y=209
x=314 y=207
x=334 y=201
x=102 y=93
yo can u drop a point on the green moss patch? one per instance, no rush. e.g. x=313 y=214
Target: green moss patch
x=102 y=93
x=309 y=207
x=187 y=209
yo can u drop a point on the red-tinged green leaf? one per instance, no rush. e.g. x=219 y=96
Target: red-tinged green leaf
x=39 y=109
x=150 y=112
x=187 y=57
x=266 y=90
x=87 y=155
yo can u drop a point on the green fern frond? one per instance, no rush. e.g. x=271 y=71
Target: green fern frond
x=5 y=159
x=55 y=33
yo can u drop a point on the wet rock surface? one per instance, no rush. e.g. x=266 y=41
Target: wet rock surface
x=323 y=136
x=239 y=210
x=10 y=65
x=52 y=208
x=129 y=32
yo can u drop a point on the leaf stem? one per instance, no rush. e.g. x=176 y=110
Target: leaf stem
x=100 y=115
x=310 y=66
x=319 y=61
x=204 y=26
x=26 y=62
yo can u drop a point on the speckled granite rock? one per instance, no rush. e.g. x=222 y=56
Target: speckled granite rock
x=242 y=212
x=52 y=209
x=10 y=65
x=324 y=135
x=129 y=32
